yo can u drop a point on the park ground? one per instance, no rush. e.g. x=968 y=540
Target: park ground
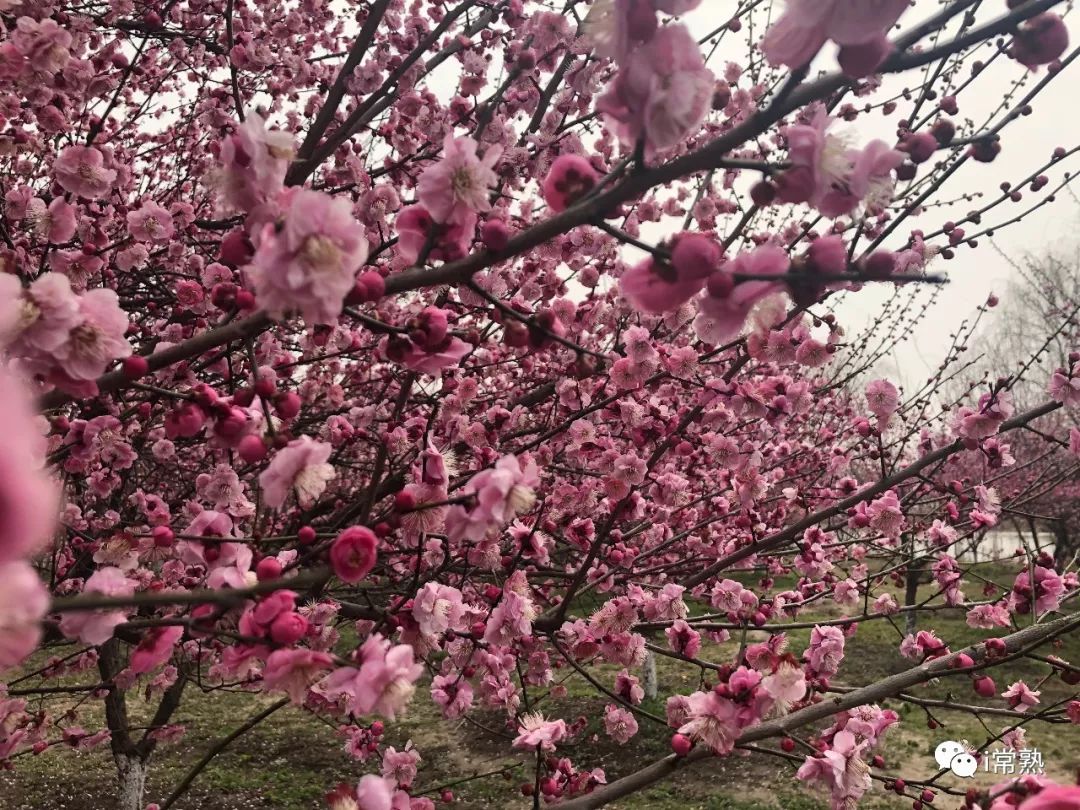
x=290 y=760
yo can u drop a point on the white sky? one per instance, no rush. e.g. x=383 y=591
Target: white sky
x=1026 y=143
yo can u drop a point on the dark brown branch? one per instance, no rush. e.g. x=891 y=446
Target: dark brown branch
x=218 y=747
x=895 y=684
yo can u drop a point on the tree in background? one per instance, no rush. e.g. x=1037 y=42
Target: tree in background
x=356 y=352
x=1033 y=333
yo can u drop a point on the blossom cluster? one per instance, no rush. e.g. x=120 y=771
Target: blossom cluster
x=461 y=354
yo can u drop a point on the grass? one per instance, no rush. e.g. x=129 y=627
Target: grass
x=289 y=761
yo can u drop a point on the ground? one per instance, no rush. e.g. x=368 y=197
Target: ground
x=291 y=760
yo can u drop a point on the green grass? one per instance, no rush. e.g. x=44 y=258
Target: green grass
x=292 y=759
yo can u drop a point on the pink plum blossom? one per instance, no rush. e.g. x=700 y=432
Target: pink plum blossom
x=383 y=683
x=453 y=694
x=723 y=315
x=614 y=26
x=28 y=497
x=619 y=724
x=301 y=467
x=374 y=793
x=657 y=286
x=569 y=179
x=617 y=615
x=81 y=170
x=885 y=515
x=512 y=618
x=826 y=650
x=24 y=601
x=500 y=494
x=309 y=263
x=253 y=162
x=786 y=686
x=677 y=710
x=39 y=318
x=456 y=188
x=842 y=768
x=419 y=234
x=400 y=765
x=45 y=43
x=97 y=626
x=665 y=604
x=536 y=732
x=628 y=688
x=1040 y=40
x=882 y=399
x=829 y=175
x=886 y=604
x=94 y=342
x=662 y=91
x=55 y=221
x=1046 y=594
x=983 y=422
x=447 y=354
x=987 y=617
x=150 y=223
x=154 y=649
x=1053 y=797
x=1021 y=697
x=712 y=721
x=796 y=37
x=294 y=671
x=683 y=639
x=438 y=608
x=1065 y=385
x=353 y=553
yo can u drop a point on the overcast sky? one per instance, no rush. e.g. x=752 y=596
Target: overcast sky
x=1027 y=142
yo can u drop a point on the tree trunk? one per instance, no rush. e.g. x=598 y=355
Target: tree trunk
x=132 y=757
x=911 y=617
x=911 y=591
x=1034 y=529
x=1062 y=547
x=131 y=779
x=130 y=764
x=648 y=675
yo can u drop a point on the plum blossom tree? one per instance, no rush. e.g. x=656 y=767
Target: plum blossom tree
x=411 y=349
